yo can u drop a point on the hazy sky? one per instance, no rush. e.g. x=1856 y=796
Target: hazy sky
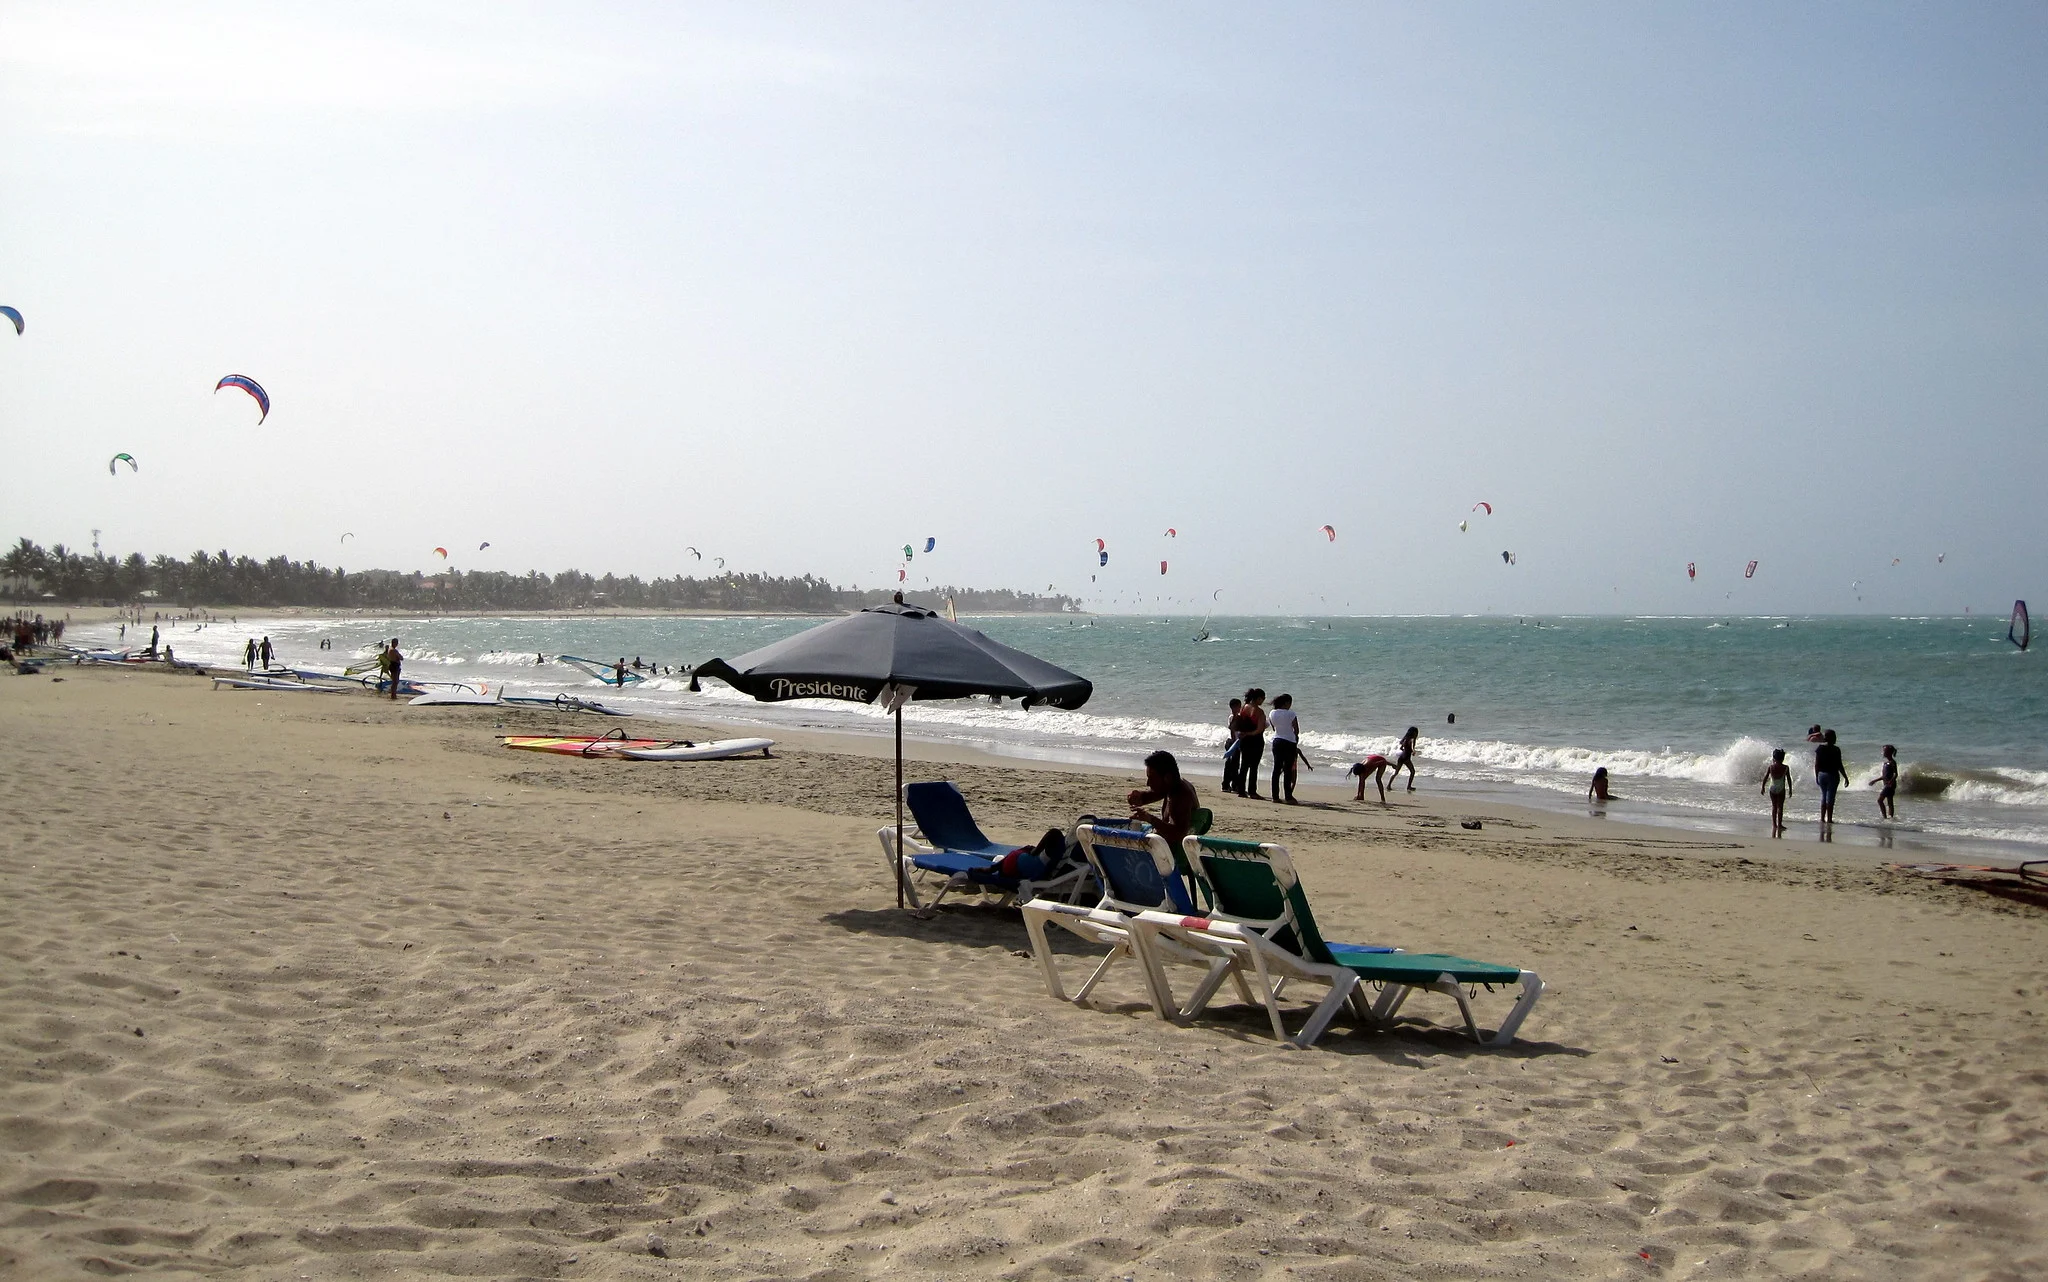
x=797 y=285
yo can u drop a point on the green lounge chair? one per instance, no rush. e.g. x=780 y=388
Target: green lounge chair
x=1262 y=912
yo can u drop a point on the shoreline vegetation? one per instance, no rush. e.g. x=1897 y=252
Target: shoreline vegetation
x=219 y=580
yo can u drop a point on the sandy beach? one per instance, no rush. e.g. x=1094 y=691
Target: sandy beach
x=318 y=986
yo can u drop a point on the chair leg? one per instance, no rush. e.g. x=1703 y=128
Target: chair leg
x=1532 y=988
x=1326 y=1010
x=887 y=836
x=1034 y=926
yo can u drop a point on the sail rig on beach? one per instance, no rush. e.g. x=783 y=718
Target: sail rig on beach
x=606 y=672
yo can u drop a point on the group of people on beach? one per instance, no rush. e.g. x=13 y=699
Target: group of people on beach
x=1829 y=773
x=1245 y=750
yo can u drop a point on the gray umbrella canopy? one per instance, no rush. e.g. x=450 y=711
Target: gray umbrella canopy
x=902 y=645
x=895 y=650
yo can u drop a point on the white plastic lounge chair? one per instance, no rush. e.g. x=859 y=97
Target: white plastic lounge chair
x=1136 y=871
x=1262 y=914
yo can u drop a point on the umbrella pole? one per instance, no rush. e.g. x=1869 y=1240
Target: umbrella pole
x=899 y=805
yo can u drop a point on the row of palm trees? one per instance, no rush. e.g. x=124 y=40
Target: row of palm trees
x=219 y=579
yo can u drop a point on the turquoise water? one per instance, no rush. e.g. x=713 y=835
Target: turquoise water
x=1682 y=711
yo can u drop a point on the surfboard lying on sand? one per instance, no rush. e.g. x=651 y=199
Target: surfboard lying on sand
x=566 y=702
x=581 y=745
x=259 y=683
x=638 y=749
x=687 y=751
x=482 y=693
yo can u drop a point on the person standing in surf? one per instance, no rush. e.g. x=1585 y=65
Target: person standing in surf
x=1827 y=775
x=265 y=653
x=1778 y=785
x=1404 y=755
x=1251 y=746
x=1887 y=783
x=393 y=664
x=249 y=655
x=1286 y=746
x=1233 y=731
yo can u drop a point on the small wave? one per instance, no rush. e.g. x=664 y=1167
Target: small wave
x=2007 y=786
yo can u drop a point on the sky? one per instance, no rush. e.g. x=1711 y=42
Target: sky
x=797 y=285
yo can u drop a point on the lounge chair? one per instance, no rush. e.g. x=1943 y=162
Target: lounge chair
x=946 y=842
x=1262 y=916
x=1137 y=872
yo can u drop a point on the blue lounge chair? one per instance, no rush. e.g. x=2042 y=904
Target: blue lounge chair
x=946 y=842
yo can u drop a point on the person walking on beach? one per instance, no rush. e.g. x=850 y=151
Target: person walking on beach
x=1887 y=783
x=1405 y=755
x=1778 y=785
x=249 y=655
x=264 y=652
x=1375 y=769
x=1251 y=747
x=1286 y=746
x=393 y=664
x=1233 y=731
x=1827 y=774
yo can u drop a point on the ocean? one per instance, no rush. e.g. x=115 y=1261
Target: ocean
x=1682 y=711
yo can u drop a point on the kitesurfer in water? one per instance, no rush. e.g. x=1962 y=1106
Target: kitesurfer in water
x=1404 y=755
x=1887 y=783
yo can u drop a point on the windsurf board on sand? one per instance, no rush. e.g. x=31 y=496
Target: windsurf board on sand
x=638 y=749
x=479 y=694
x=259 y=683
x=713 y=751
x=566 y=702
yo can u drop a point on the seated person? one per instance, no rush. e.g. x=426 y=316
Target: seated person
x=1597 y=790
x=1174 y=795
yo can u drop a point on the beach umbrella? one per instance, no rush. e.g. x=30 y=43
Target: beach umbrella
x=888 y=655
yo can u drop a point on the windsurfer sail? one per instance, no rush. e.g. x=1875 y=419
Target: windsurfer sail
x=609 y=673
x=2020 y=631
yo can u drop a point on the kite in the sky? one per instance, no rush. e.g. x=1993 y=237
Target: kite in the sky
x=1162 y=567
x=1100 y=546
x=1895 y=560
x=694 y=552
x=1331 y=530
x=720 y=560
x=481 y=546
x=129 y=459
x=1104 y=558
x=346 y=537
x=1507 y=558
x=906 y=551
x=1483 y=504
x=1692 y=571
x=1172 y=533
x=252 y=387
x=1749 y=571
x=1464 y=526
x=442 y=553
x=901 y=574
x=930 y=543
x=14 y=316
x=1939 y=557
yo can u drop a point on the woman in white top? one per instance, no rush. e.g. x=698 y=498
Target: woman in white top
x=1286 y=745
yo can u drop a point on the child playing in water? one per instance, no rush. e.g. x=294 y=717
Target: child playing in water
x=1375 y=769
x=1778 y=783
x=1888 y=777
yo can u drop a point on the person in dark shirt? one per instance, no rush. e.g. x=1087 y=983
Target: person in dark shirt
x=1888 y=783
x=1174 y=795
x=1236 y=727
x=1827 y=774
